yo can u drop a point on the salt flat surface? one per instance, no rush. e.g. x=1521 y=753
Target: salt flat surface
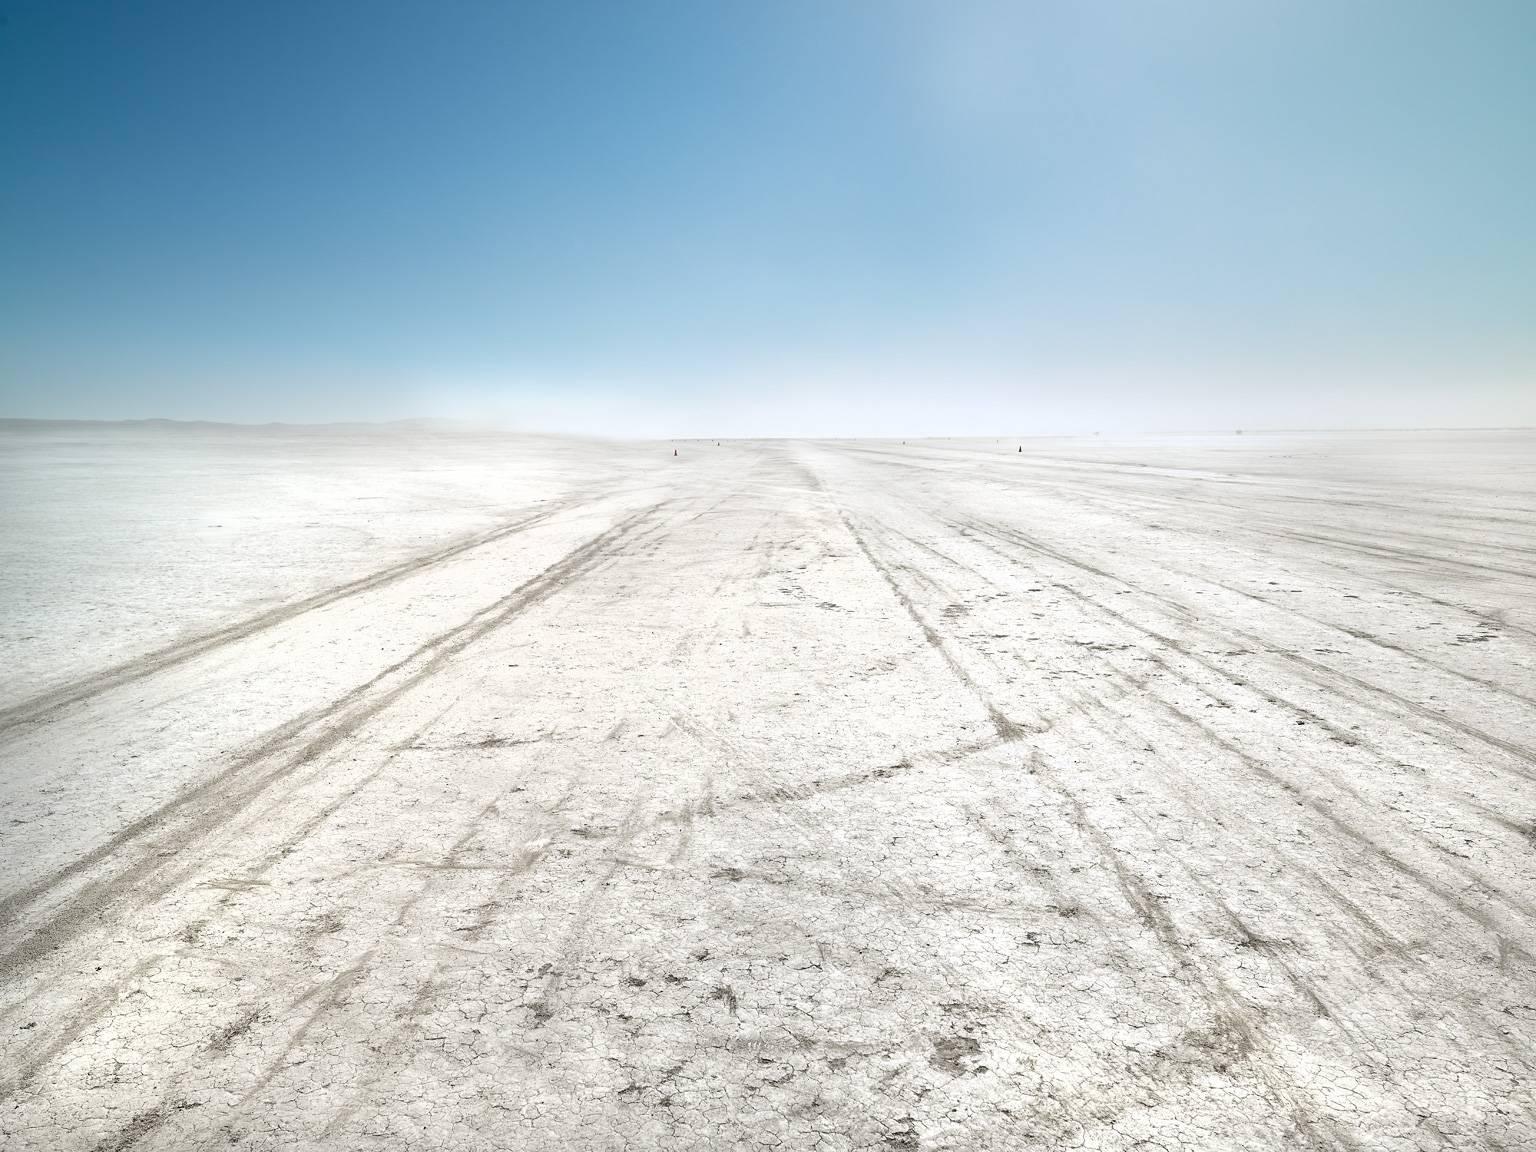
x=417 y=788
x=116 y=539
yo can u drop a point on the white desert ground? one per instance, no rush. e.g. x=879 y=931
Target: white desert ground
x=417 y=787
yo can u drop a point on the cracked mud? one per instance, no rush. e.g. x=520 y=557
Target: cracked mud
x=1161 y=794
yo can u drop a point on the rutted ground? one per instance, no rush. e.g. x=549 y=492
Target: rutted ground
x=834 y=795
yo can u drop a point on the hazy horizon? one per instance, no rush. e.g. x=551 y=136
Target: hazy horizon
x=840 y=219
x=510 y=427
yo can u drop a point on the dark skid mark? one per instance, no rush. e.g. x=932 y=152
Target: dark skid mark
x=956 y=1055
x=232 y=1031
x=139 y=1127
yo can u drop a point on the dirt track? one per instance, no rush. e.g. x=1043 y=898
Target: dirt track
x=819 y=795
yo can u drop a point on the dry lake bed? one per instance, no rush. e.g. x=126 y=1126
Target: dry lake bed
x=415 y=787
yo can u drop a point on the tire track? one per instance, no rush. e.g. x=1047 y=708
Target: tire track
x=140 y=850
x=1229 y=1009
x=1478 y=916
x=47 y=704
x=1500 y=931
x=1239 y=519
x=1306 y=667
x=1193 y=795
x=1005 y=728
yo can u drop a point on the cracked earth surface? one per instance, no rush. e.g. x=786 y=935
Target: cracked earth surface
x=1165 y=794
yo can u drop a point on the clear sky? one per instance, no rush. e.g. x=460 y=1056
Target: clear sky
x=777 y=217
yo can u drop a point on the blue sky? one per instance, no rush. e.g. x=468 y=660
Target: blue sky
x=774 y=217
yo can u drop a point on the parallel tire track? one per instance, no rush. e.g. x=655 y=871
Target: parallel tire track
x=144 y=850
x=45 y=705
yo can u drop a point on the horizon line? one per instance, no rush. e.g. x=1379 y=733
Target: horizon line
x=493 y=425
